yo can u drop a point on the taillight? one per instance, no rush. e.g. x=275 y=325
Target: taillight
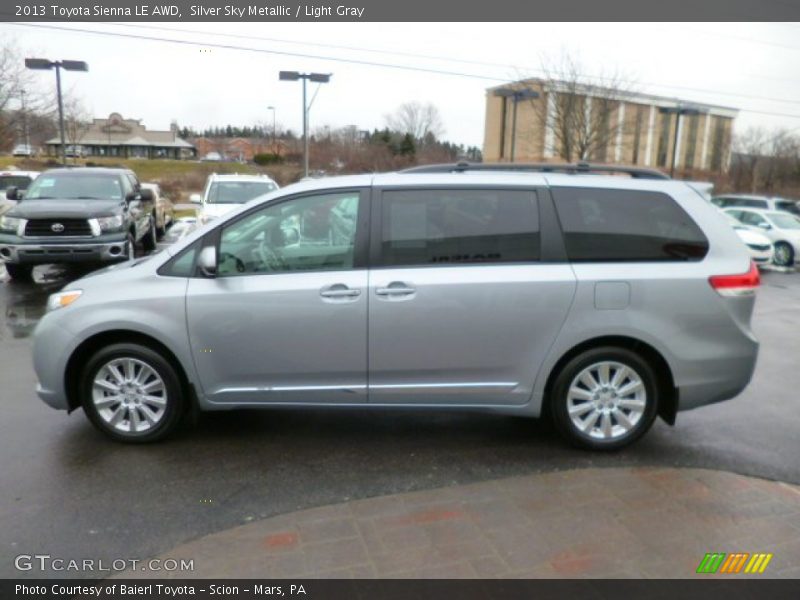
x=743 y=284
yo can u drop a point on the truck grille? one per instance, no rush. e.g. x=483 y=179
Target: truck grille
x=53 y=228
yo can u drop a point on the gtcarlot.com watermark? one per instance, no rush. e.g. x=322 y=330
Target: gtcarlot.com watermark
x=46 y=562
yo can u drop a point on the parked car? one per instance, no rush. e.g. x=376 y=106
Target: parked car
x=212 y=157
x=165 y=211
x=760 y=246
x=225 y=192
x=75 y=151
x=760 y=202
x=24 y=150
x=92 y=215
x=782 y=228
x=601 y=301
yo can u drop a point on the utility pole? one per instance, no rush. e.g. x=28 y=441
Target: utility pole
x=25 y=130
x=515 y=96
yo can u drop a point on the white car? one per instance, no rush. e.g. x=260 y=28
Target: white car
x=225 y=192
x=759 y=202
x=782 y=228
x=760 y=246
x=24 y=150
x=14 y=179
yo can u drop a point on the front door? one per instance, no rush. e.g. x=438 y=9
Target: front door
x=461 y=309
x=285 y=319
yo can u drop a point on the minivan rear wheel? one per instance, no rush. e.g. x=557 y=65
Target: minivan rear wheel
x=605 y=398
x=131 y=393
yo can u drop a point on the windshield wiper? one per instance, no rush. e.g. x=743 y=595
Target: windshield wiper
x=85 y=198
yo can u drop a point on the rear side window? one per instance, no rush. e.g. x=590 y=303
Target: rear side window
x=432 y=227
x=625 y=225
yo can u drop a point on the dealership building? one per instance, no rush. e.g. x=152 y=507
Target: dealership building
x=625 y=127
x=124 y=138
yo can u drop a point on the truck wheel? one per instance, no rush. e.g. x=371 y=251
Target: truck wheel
x=149 y=239
x=132 y=393
x=20 y=272
x=604 y=399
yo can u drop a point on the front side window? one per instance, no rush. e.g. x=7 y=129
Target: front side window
x=237 y=192
x=430 y=227
x=20 y=182
x=312 y=233
x=784 y=221
x=623 y=225
x=754 y=219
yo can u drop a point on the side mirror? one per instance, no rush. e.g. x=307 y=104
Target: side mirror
x=765 y=226
x=196 y=199
x=146 y=195
x=207 y=261
x=11 y=193
x=131 y=196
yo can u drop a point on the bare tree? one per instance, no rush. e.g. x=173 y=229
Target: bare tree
x=77 y=120
x=581 y=117
x=13 y=80
x=419 y=120
x=749 y=147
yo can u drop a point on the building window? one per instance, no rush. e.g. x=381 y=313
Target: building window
x=716 y=145
x=637 y=134
x=663 y=140
x=691 y=141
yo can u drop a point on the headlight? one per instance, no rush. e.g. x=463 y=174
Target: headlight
x=110 y=223
x=10 y=224
x=62 y=299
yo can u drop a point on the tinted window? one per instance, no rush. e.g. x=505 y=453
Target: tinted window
x=623 y=225
x=751 y=218
x=313 y=233
x=788 y=206
x=183 y=264
x=424 y=227
x=17 y=181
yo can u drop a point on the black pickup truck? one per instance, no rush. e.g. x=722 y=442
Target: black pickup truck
x=90 y=215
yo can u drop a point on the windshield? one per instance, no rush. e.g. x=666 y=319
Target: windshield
x=17 y=181
x=69 y=186
x=784 y=221
x=237 y=192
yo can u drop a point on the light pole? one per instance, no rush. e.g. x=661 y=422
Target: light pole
x=516 y=96
x=677 y=110
x=274 y=150
x=43 y=64
x=25 y=130
x=318 y=78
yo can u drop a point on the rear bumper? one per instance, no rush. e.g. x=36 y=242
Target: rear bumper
x=42 y=252
x=723 y=379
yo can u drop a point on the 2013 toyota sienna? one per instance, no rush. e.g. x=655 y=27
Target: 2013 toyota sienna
x=600 y=301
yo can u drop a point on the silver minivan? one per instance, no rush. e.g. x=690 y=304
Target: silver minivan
x=599 y=301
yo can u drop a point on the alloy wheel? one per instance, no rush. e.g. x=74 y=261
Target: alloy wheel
x=129 y=395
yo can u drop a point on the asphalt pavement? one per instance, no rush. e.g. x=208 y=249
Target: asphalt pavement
x=67 y=491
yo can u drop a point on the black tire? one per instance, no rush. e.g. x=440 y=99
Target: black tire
x=161 y=231
x=149 y=239
x=559 y=400
x=786 y=252
x=20 y=272
x=173 y=408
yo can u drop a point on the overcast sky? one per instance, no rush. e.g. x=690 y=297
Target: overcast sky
x=753 y=67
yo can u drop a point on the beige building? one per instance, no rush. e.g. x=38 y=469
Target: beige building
x=124 y=138
x=568 y=120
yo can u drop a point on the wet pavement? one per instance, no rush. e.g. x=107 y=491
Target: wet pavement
x=67 y=491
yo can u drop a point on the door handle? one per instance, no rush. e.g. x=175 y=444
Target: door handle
x=397 y=290
x=339 y=292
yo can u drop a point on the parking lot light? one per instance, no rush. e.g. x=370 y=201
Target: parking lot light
x=318 y=78
x=516 y=96
x=44 y=64
x=678 y=110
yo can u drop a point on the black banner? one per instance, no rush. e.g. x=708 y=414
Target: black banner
x=393 y=10
x=310 y=589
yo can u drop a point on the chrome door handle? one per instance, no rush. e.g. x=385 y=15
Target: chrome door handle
x=394 y=291
x=340 y=293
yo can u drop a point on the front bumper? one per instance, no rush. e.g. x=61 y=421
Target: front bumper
x=43 y=252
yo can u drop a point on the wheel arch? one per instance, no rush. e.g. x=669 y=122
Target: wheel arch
x=92 y=344
x=668 y=393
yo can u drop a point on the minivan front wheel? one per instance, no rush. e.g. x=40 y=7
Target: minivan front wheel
x=605 y=399
x=131 y=393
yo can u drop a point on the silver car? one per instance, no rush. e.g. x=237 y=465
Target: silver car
x=599 y=301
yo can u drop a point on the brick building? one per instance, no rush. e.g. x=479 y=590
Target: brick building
x=639 y=129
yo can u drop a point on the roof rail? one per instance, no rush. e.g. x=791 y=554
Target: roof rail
x=571 y=168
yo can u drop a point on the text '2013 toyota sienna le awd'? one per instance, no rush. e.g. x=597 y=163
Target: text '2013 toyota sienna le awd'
x=600 y=301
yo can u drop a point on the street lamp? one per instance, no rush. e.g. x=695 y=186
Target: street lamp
x=26 y=131
x=272 y=108
x=677 y=110
x=318 y=78
x=516 y=96
x=43 y=64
